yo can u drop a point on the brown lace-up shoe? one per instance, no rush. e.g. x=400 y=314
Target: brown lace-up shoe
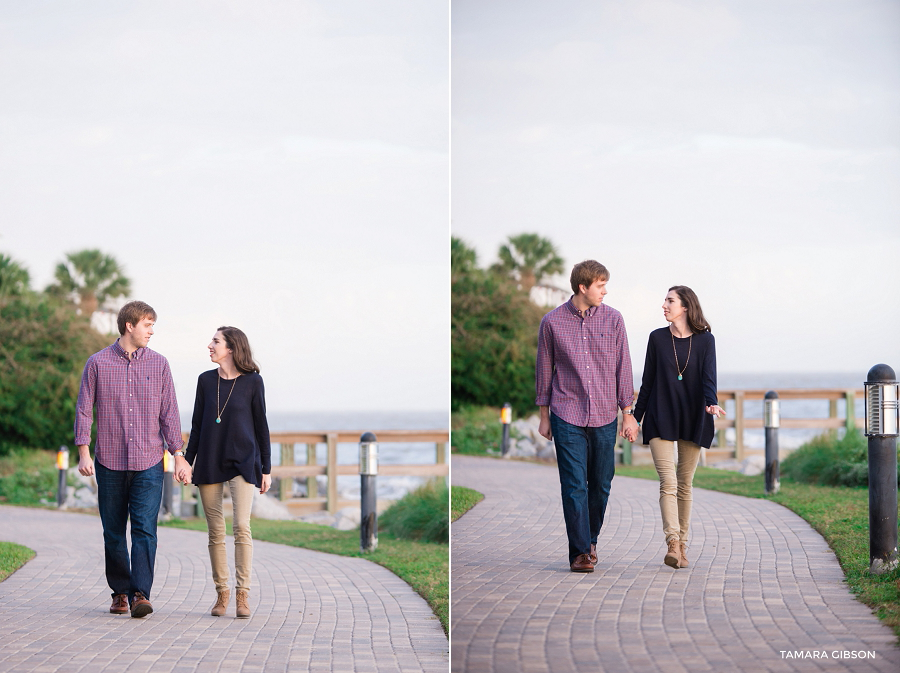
x=218 y=610
x=243 y=603
x=683 y=562
x=119 y=604
x=594 y=554
x=582 y=564
x=673 y=555
x=140 y=606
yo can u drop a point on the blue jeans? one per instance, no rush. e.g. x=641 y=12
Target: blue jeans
x=586 y=459
x=138 y=494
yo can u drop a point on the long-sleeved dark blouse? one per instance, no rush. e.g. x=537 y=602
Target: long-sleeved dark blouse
x=239 y=445
x=673 y=409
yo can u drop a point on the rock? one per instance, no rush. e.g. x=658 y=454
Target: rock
x=753 y=465
x=347 y=518
x=81 y=497
x=547 y=451
x=321 y=518
x=266 y=507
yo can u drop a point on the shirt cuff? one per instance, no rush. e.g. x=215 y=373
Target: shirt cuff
x=543 y=401
x=82 y=441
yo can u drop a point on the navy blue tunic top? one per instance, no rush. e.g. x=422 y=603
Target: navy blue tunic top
x=673 y=409
x=239 y=445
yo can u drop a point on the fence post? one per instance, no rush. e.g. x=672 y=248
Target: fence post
x=882 y=428
x=505 y=420
x=772 y=421
x=286 y=484
x=440 y=453
x=62 y=464
x=168 y=484
x=850 y=396
x=368 y=475
x=312 y=486
x=331 y=496
x=739 y=425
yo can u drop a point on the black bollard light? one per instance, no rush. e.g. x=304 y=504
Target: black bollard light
x=772 y=421
x=368 y=473
x=168 y=484
x=62 y=464
x=505 y=420
x=882 y=427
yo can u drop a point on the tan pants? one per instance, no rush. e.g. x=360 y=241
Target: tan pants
x=241 y=503
x=675 y=484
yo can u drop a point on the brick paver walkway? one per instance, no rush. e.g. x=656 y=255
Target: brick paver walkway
x=311 y=611
x=761 y=582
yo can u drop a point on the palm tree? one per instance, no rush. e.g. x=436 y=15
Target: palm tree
x=529 y=258
x=14 y=279
x=90 y=279
x=462 y=258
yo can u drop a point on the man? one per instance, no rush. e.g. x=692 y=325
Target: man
x=137 y=414
x=583 y=377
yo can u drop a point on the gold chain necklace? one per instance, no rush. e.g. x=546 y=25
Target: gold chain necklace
x=218 y=412
x=690 y=342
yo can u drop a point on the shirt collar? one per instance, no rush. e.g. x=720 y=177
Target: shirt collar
x=118 y=350
x=574 y=310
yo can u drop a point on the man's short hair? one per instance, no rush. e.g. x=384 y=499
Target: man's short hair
x=586 y=273
x=133 y=312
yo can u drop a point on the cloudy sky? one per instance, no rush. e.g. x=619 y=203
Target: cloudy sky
x=281 y=166
x=750 y=150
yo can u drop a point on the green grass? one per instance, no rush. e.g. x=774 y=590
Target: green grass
x=12 y=557
x=839 y=514
x=476 y=431
x=463 y=499
x=422 y=514
x=425 y=566
x=27 y=475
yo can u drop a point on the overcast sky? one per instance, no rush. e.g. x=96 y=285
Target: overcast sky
x=280 y=166
x=748 y=149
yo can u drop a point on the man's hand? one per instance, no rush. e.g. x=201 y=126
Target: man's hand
x=544 y=426
x=85 y=462
x=266 y=483
x=630 y=427
x=183 y=471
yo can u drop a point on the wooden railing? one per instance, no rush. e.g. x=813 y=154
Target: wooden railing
x=287 y=471
x=736 y=417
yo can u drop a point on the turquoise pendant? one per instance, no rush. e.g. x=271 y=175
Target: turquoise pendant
x=219 y=420
x=679 y=378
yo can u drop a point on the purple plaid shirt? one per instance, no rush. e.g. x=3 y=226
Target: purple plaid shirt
x=136 y=408
x=583 y=370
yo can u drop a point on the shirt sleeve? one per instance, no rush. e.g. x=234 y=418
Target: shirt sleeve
x=543 y=370
x=196 y=423
x=647 y=381
x=169 y=421
x=710 y=380
x=84 y=408
x=261 y=427
x=624 y=375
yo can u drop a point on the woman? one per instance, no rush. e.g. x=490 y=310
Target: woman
x=678 y=403
x=229 y=444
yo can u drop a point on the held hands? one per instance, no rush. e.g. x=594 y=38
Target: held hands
x=266 y=483
x=183 y=471
x=630 y=428
x=715 y=410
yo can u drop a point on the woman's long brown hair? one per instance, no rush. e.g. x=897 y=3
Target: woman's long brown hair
x=237 y=341
x=689 y=300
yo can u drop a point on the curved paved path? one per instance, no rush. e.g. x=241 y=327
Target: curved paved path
x=311 y=611
x=761 y=581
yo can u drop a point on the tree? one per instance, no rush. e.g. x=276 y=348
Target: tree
x=89 y=279
x=463 y=259
x=529 y=258
x=43 y=348
x=14 y=279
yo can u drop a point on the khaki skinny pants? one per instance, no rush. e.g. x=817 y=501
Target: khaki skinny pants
x=241 y=503
x=675 y=484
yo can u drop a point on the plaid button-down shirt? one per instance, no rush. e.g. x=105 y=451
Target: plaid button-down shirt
x=583 y=370
x=136 y=408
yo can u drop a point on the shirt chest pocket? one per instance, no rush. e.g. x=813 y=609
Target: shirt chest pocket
x=602 y=347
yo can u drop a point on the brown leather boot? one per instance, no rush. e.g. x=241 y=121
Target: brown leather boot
x=673 y=555
x=683 y=562
x=218 y=610
x=243 y=603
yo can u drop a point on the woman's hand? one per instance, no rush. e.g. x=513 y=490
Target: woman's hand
x=715 y=410
x=183 y=471
x=266 y=483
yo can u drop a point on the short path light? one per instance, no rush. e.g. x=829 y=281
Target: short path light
x=368 y=473
x=505 y=420
x=882 y=423
x=772 y=421
x=62 y=464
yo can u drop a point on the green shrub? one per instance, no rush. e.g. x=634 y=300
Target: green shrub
x=475 y=431
x=830 y=460
x=423 y=514
x=26 y=476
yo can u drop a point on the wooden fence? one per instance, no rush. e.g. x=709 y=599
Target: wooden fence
x=736 y=416
x=284 y=442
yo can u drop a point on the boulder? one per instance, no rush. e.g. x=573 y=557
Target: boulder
x=266 y=507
